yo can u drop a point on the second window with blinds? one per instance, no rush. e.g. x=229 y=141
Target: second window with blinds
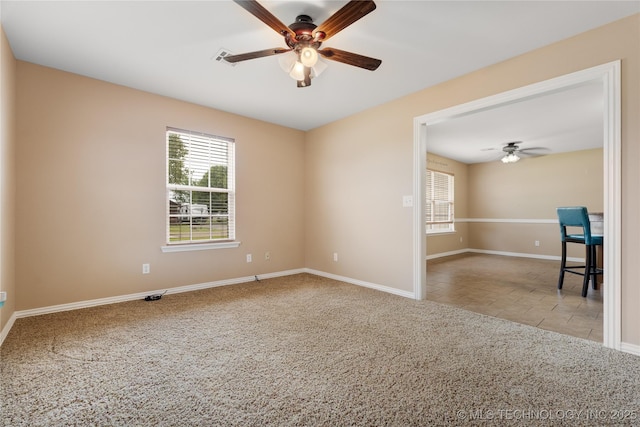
x=200 y=188
x=439 y=210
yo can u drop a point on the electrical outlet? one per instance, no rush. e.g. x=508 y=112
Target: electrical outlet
x=249 y=258
x=537 y=242
x=267 y=256
x=146 y=268
x=335 y=256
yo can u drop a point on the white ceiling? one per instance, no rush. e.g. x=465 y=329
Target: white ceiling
x=169 y=48
x=558 y=122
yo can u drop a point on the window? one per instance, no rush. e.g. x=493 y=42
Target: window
x=439 y=202
x=200 y=187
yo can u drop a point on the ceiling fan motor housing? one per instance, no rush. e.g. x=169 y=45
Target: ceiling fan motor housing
x=303 y=28
x=510 y=148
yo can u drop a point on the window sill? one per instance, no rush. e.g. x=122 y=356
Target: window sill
x=199 y=246
x=438 y=233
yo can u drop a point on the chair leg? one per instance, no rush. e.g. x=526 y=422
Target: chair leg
x=563 y=265
x=587 y=271
x=594 y=267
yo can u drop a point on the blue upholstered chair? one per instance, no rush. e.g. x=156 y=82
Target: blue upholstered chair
x=577 y=216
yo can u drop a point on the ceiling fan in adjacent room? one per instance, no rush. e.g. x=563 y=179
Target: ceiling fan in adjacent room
x=303 y=39
x=511 y=148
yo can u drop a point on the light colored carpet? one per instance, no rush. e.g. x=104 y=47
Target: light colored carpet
x=305 y=351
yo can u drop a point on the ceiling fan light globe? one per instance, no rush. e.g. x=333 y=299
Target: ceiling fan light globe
x=317 y=69
x=510 y=158
x=287 y=61
x=297 y=72
x=308 y=56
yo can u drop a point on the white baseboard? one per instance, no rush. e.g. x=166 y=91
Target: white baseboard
x=7 y=328
x=446 y=254
x=522 y=255
x=503 y=253
x=625 y=347
x=630 y=348
x=387 y=289
x=141 y=295
x=188 y=288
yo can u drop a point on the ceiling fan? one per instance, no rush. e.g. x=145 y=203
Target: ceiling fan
x=511 y=148
x=304 y=39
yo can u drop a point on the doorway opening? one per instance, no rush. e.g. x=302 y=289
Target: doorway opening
x=609 y=76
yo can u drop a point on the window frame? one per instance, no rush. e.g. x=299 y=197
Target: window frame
x=201 y=162
x=450 y=201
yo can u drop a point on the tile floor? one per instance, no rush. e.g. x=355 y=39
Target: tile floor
x=522 y=290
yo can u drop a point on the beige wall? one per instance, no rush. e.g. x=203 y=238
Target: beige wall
x=349 y=199
x=506 y=208
x=357 y=171
x=531 y=189
x=91 y=201
x=7 y=178
x=534 y=187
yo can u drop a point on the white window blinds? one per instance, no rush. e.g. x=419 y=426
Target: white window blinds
x=439 y=207
x=200 y=187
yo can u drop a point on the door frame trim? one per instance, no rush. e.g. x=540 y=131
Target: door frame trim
x=609 y=75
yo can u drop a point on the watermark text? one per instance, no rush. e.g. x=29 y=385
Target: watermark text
x=480 y=414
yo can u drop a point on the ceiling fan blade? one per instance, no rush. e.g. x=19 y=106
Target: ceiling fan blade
x=344 y=17
x=253 y=55
x=351 y=58
x=257 y=10
x=534 y=149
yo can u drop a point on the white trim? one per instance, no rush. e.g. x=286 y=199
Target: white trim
x=387 y=289
x=625 y=347
x=502 y=253
x=525 y=255
x=7 y=327
x=199 y=246
x=419 y=209
x=630 y=348
x=439 y=232
x=510 y=220
x=612 y=307
x=141 y=295
x=609 y=74
x=189 y=288
x=446 y=254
